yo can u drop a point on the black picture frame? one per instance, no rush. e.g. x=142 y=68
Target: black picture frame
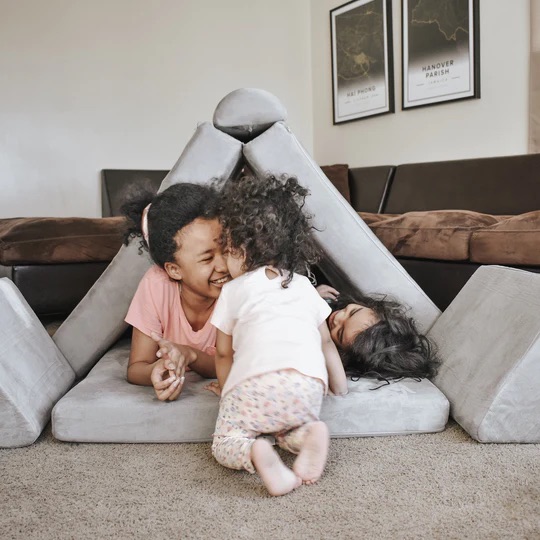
x=440 y=52
x=362 y=60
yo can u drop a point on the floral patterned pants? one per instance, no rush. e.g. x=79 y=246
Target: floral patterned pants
x=281 y=403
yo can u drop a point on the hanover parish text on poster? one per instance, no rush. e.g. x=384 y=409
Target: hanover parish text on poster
x=440 y=51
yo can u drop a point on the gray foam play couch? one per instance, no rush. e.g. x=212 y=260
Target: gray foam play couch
x=248 y=128
x=104 y=408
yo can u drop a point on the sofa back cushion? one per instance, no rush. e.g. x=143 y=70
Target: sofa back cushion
x=118 y=185
x=503 y=185
x=369 y=186
x=339 y=176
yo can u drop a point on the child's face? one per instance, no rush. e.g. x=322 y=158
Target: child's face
x=235 y=262
x=348 y=322
x=199 y=261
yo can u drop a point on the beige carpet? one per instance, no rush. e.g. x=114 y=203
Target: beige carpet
x=419 y=486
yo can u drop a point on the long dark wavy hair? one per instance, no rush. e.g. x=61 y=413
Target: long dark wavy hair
x=170 y=211
x=391 y=349
x=264 y=218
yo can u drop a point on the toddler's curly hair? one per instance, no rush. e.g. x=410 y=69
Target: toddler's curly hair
x=264 y=218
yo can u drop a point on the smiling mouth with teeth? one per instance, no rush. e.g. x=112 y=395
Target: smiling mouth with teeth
x=220 y=281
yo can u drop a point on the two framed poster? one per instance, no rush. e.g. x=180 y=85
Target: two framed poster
x=440 y=48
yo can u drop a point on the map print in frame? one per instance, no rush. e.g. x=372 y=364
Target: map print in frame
x=440 y=51
x=362 y=61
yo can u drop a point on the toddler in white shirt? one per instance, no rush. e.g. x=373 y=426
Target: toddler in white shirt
x=275 y=358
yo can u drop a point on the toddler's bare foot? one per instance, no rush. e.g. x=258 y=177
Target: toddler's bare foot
x=277 y=478
x=309 y=464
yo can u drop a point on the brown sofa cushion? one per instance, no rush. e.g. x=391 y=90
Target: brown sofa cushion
x=439 y=234
x=371 y=218
x=515 y=241
x=339 y=176
x=59 y=240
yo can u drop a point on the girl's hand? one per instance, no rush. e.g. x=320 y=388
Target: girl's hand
x=166 y=384
x=214 y=388
x=168 y=375
x=325 y=291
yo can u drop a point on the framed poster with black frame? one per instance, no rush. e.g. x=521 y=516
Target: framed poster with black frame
x=362 y=60
x=441 y=51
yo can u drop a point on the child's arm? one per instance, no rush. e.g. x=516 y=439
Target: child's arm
x=142 y=358
x=181 y=356
x=337 y=380
x=224 y=357
x=327 y=292
x=165 y=372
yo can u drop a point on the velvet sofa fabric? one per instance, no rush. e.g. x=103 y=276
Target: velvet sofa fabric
x=339 y=176
x=515 y=240
x=118 y=185
x=498 y=185
x=55 y=289
x=370 y=187
x=59 y=240
x=439 y=235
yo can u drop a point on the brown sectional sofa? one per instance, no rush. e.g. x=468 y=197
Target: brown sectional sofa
x=442 y=220
x=54 y=261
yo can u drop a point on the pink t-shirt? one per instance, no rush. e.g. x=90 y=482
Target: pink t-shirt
x=156 y=307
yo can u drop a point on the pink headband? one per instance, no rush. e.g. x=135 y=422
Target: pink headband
x=144 y=224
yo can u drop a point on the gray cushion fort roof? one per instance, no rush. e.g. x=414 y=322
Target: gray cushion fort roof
x=247 y=112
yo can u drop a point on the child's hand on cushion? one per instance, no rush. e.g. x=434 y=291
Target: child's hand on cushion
x=168 y=375
x=214 y=388
x=165 y=382
x=327 y=292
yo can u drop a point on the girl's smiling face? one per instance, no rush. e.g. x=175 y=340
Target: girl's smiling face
x=345 y=324
x=199 y=261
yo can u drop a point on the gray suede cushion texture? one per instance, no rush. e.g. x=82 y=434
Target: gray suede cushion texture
x=105 y=408
x=354 y=258
x=247 y=112
x=33 y=372
x=489 y=340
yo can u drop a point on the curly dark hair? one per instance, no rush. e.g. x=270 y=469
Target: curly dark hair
x=171 y=210
x=393 y=348
x=264 y=218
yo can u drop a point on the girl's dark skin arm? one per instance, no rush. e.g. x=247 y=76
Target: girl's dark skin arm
x=161 y=364
x=337 y=380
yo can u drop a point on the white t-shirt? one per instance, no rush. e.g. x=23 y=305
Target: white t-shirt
x=272 y=328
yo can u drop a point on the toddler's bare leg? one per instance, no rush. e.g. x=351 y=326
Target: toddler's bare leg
x=277 y=477
x=309 y=465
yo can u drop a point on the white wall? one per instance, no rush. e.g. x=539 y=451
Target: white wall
x=94 y=84
x=497 y=124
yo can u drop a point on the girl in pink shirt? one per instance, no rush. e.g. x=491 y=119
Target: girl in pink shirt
x=176 y=297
